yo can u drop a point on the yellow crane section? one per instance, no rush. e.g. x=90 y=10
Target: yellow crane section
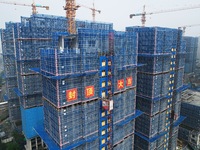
x=71 y=8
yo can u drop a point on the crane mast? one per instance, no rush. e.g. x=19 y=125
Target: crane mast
x=143 y=19
x=71 y=8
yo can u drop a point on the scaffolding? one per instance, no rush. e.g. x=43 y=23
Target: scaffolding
x=88 y=83
x=157 y=81
x=191 y=46
x=80 y=74
x=8 y=51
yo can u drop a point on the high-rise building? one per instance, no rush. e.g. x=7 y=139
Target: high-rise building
x=8 y=52
x=191 y=53
x=79 y=91
x=159 y=83
x=189 y=131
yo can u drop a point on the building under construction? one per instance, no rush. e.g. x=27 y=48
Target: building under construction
x=191 y=50
x=189 y=131
x=98 y=88
x=8 y=51
x=159 y=83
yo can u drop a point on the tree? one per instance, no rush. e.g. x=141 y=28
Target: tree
x=2 y=146
x=19 y=139
x=13 y=146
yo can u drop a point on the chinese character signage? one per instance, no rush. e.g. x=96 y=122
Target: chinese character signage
x=89 y=91
x=129 y=81
x=120 y=84
x=72 y=94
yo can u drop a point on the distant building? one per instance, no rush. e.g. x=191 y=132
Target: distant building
x=191 y=44
x=190 y=129
x=198 y=50
x=0 y=45
x=7 y=139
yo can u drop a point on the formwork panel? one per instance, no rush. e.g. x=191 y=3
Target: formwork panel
x=10 y=70
x=10 y=93
x=127 y=143
x=60 y=62
x=92 y=145
x=24 y=67
x=13 y=102
x=180 y=60
x=70 y=124
x=163 y=104
x=151 y=107
x=155 y=143
x=90 y=118
x=152 y=85
x=118 y=133
x=95 y=40
x=121 y=132
x=147 y=125
x=148 y=106
x=160 y=142
x=65 y=125
x=149 y=85
x=30 y=84
x=125 y=49
x=29 y=101
x=124 y=105
x=11 y=82
x=28 y=51
x=162 y=121
x=8 y=59
x=130 y=102
x=153 y=39
x=154 y=64
x=141 y=144
x=191 y=53
x=178 y=78
x=118 y=110
x=14 y=113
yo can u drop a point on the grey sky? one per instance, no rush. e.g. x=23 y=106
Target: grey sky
x=116 y=12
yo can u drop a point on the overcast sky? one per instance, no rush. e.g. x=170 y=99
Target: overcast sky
x=114 y=11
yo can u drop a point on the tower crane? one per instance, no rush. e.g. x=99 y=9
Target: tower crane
x=186 y=26
x=71 y=8
x=144 y=13
x=93 y=10
x=33 y=5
